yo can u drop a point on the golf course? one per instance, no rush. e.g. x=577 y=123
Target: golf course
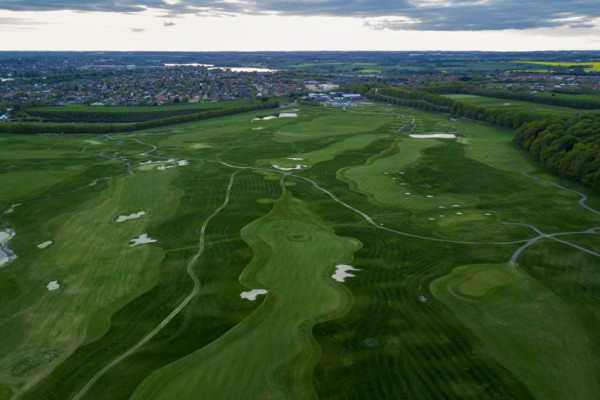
x=308 y=252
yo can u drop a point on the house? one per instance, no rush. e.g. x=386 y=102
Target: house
x=3 y=118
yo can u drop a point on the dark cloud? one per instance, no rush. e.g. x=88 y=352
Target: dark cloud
x=378 y=14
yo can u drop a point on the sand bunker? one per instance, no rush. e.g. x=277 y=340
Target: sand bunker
x=123 y=218
x=296 y=168
x=296 y=158
x=251 y=295
x=488 y=214
x=422 y=299
x=258 y=128
x=434 y=136
x=6 y=255
x=164 y=167
x=93 y=142
x=408 y=193
x=200 y=146
x=142 y=239
x=288 y=115
x=264 y=118
x=44 y=245
x=183 y=163
x=459 y=213
x=341 y=272
x=429 y=196
x=53 y=285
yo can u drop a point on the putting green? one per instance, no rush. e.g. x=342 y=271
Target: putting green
x=527 y=328
x=271 y=354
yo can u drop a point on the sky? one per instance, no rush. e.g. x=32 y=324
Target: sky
x=246 y=25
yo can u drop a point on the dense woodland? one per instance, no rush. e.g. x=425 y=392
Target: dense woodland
x=569 y=146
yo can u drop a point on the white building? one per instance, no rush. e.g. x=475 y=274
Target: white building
x=3 y=118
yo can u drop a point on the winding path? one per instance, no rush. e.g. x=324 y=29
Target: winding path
x=552 y=236
x=177 y=310
x=583 y=196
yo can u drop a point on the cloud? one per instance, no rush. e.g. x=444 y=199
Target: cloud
x=137 y=30
x=168 y=23
x=437 y=15
x=15 y=21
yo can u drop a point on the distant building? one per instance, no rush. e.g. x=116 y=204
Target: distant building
x=3 y=118
x=318 y=97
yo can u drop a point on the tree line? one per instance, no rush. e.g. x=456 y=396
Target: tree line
x=69 y=128
x=103 y=116
x=568 y=146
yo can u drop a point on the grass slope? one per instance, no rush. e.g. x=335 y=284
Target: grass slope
x=524 y=325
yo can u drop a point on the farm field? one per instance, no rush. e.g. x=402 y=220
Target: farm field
x=515 y=105
x=372 y=252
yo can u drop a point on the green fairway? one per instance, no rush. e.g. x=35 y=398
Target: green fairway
x=514 y=105
x=232 y=289
x=524 y=325
x=294 y=252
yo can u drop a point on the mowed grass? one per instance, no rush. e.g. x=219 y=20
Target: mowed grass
x=294 y=254
x=524 y=325
x=91 y=259
x=514 y=105
x=380 y=335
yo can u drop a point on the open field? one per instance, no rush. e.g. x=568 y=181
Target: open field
x=515 y=105
x=590 y=66
x=228 y=291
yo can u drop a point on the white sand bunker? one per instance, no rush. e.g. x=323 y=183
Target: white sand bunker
x=200 y=146
x=6 y=255
x=53 y=285
x=268 y=117
x=288 y=115
x=429 y=196
x=341 y=272
x=142 y=239
x=123 y=218
x=164 y=167
x=434 y=136
x=44 y=245
x=488 y=214
x=296 y=158
x=296 y=168
x=183 y=163
x=258 y=128
x=251 y=295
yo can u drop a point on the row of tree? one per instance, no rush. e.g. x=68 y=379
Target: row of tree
x=98 y=116
x=569 y=146
x=67 y=128
x=433 y=102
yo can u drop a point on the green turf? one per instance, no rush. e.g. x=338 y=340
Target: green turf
x=524 y=325
x=379 y=335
